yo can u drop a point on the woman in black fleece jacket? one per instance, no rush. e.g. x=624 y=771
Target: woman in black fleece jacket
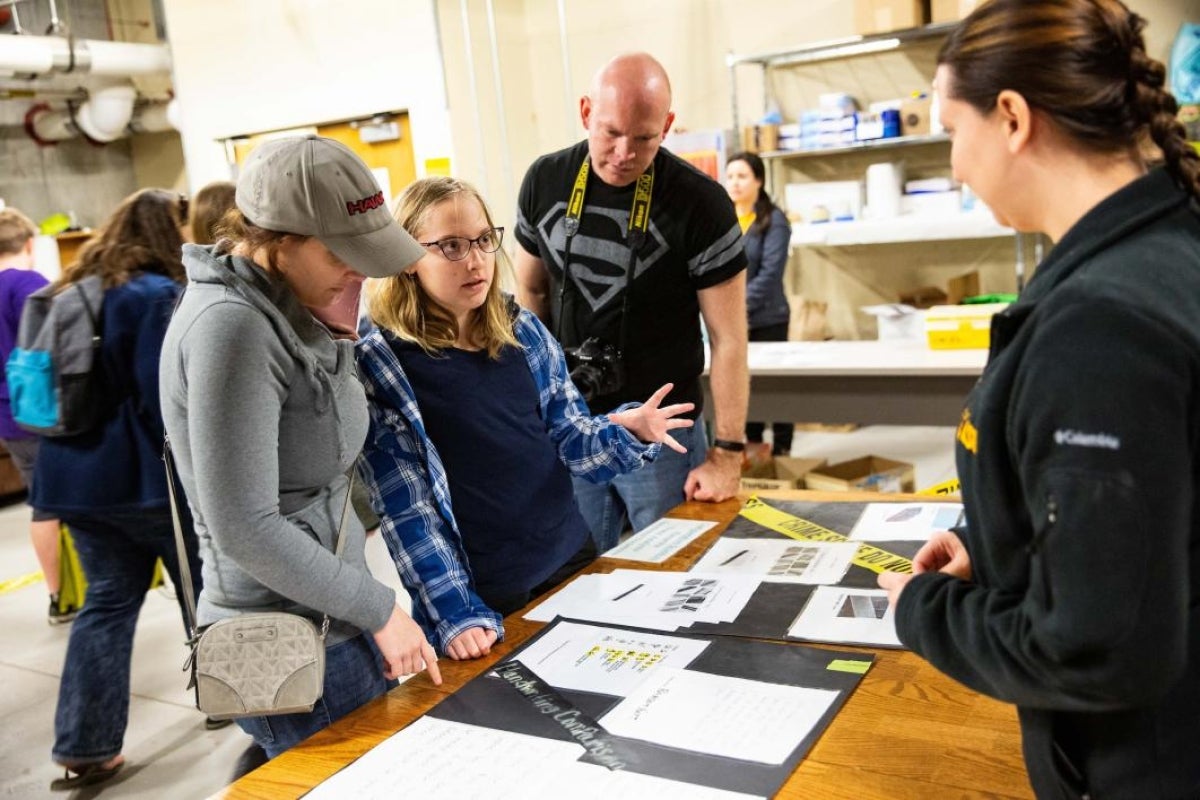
x=1073 y=590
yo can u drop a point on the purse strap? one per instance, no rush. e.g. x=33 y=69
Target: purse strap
x=185 y=571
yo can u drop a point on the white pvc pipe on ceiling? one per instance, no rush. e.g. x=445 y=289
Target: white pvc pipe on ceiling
x=107 y=115
x=127 y=58
x=30 y=54
x=38 y=55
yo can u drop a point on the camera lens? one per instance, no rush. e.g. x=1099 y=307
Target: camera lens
x=587 y=380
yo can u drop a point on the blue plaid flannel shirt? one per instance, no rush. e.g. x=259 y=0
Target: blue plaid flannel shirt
x=408 y=483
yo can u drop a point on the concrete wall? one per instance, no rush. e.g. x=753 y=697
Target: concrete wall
x=74 y=175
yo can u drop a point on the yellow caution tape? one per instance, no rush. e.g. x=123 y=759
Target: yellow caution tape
x=868 y=555
x=951 y=486
x=20 y=583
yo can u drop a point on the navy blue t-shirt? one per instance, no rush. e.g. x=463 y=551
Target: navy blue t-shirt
x=511 y=494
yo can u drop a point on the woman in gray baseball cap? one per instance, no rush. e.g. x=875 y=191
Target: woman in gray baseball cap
x=266 y=414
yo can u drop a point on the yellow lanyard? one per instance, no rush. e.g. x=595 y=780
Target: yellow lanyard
x=639 y=224
x=639 y=212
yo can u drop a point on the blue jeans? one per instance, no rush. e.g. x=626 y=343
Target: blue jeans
x=641 y=497
x=117 y=551
x=353 y=676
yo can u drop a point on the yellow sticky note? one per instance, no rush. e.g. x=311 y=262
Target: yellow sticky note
x=849 y=665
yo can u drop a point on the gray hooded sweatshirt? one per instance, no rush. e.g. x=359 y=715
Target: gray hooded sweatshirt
x=266 y=414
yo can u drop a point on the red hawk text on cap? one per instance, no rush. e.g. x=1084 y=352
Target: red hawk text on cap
x=366 y=204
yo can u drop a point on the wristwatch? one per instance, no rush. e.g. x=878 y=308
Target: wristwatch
x=730 y=445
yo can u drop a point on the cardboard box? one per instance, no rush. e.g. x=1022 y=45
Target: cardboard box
x=915 y=116
x=961 y=327
x=881 y=16
x=965 y=285
x=923 y=297
x=951 y=10
x=794 y=469
x=760 y=138
x=785 y=472
x=869 y=473
x=757 y=461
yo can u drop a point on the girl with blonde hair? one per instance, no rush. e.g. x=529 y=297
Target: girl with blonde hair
x=470 y=399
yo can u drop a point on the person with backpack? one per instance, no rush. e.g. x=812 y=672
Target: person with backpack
x=107 y=482
x=18 y=280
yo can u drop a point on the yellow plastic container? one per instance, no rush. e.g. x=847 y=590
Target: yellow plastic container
x=960 y=327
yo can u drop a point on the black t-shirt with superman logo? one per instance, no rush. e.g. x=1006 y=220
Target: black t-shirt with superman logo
x=693 y=242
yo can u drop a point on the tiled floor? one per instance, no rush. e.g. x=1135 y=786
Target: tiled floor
x=169 y=752
x=166 y=744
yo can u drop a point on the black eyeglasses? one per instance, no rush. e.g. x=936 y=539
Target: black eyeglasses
x=456 y=248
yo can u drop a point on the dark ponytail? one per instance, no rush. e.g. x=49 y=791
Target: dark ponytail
x=1081 y=62
x=1160 y=110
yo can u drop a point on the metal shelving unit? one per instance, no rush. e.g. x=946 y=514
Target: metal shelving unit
x=829 y=50
x=857 y=147
x=869 y=232
x=898 y=230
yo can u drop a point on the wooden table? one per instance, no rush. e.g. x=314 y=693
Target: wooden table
x=906 y=732
x=863 y=382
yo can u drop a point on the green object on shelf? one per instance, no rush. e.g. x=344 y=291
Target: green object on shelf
x=994 y=297
x=54 y=224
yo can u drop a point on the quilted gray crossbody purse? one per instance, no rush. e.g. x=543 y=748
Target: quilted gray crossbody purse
x=252 y=665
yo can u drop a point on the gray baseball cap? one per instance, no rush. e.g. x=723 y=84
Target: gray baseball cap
x=312 y=186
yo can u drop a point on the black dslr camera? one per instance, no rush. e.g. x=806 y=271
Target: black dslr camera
x=597 y=368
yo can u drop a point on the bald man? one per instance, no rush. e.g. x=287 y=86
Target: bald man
x=626 y=299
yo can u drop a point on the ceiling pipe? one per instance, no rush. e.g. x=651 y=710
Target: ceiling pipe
x=155 y=117
x=39 y=55
x=107 y=115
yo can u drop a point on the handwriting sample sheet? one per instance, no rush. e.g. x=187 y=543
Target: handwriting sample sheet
x=588 y=658
x=779 y=560
x=840 y=614
x=726 y=696
x=720 y=715
x=898 y=522
x=439 y=758
x=661 y=540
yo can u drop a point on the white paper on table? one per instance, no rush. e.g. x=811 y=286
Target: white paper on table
x=438 y=758
x=897 y=522
x=650 y=598
x=593 y=782
x=780 y=560
x=660 y=541
x=598 y=597
x=723 y=716
x=838 y=614
x=693 y=596
x=591 y=658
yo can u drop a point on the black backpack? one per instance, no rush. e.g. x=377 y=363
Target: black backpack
x=53 y=372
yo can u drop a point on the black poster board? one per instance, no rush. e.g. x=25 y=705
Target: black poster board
x=493 y=702
x=774 y=606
